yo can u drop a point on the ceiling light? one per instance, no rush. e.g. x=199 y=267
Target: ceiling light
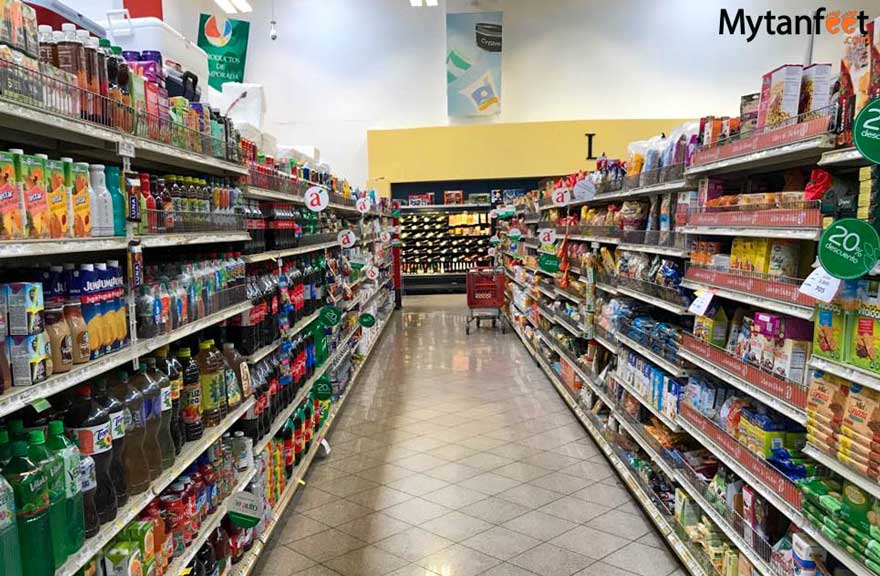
x=430 y=2
x=243 y=6
x=226 y=6
x=415 y=3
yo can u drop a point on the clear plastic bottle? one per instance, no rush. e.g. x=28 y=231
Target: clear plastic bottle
x=166 y=441
x=10 y=556
x=152 y=413
x=102 y=218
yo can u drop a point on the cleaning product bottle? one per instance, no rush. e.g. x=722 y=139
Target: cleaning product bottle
x=52 y=467
x=112 y=181
x=10 y=556
x=29 y=486
x=69 y=453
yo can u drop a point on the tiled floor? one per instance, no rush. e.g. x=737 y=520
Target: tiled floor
x=456 y=457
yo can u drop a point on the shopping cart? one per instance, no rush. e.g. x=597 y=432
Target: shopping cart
x=485 y=296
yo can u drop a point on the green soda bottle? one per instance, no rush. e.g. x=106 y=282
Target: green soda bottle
x=32 y=512
x=16 y=430
x=74 y=513
x=53 y=468
x=10 y=557
x=5 y=447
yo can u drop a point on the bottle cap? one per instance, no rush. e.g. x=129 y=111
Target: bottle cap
x=19 y=448
x=36 y=437
x=205 y=345
x=4 y=436
x=56 y=428
x=184 y=353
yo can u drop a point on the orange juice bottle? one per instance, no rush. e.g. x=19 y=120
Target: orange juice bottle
x=59 y=199
x=12 y=216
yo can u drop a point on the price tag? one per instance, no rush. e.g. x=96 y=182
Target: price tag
x=514 y=234
x=385 y=236
x=561 y=196
x=372 y=273
x=547 y=236
x=820 y=285
x=363 y=204
x=701 y=303
x=125 y=148
x=491 y=252
x=317 y=199
x=346 y=238
x=584 y=190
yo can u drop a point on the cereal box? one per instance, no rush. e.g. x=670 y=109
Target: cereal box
x=780 y=95
x=828 y=332
x=11 y=202
x=80 y=200
x=815 y=88
x=766 y=332
x=748 y=112
x=36 y=204
x=59 y=200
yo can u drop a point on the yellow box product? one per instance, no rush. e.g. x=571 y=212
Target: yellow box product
x=869 y=173
x=737 y=253
x=761 y=255
x=81 y=201
x=864 y=345
x=828 y=332
x=59 y=200
x=867 y=186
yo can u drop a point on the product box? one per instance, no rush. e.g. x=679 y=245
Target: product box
x=36 y=205
x=748 y=113
x=27 y=357
x=816 y=83
x=81 y=200
x=24 y=308
x=766 y=331
x=123 y=559
x=784 y=256
x=865 y=335
x=59 y=200
x=780 y=95
x=760 y=255
x=140 y=533
x=12 y=218
x=790 y=359
x=828 y=334
x=453 y=197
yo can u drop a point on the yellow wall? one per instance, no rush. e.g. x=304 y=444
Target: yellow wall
x=482 y=151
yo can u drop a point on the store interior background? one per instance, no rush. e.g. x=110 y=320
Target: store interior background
x=344 y=67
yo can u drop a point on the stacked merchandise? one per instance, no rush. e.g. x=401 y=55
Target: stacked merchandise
x=441 y=243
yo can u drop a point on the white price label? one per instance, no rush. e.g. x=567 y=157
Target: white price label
x=372 y=273
x=385 y=236
x=514 y=234
x=547 y=236
x=363 y=204
x=125 y=148
x=701 y=303
x=820 y=285
x=346 y=238
x=561 y=196
x=317 y=199
x=246 y=504
x=491 y=252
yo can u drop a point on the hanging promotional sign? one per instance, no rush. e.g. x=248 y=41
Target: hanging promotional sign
x=317 y=199
x=514 y=234
x=245 y=509
x=385 y=236
x=547 y=236
x=584 y=190
x=495 y=240
x=548 y=263
x=346 y=238
x=473 y=63
x=849 y=248
x=367 y=320
x=225 y=41
x=866 y=131
x=330 y=315
x=372 y=273
x=561 y=196
x=363 y=205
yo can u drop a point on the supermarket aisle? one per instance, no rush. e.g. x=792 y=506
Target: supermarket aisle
x=456 y=457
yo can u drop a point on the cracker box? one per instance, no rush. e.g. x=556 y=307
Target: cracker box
x=790 y=359
x=828 y=332
x=780 y=95
x=816 y=84
x=865 y=347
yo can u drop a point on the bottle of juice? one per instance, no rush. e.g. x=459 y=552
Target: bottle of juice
x=116 y=410
x=210 y=376
x=29 y=487
x=137 y=473
x=102 y=202
x=73 y=510
x=90 y=424
x=191 y=396
x=236 y=370
x=52 y=467
x=148 y=206
x=150 y=391
x=222 y=376
x=10 y=556
x=171 y=367
x=112 y=181
x=166 y=442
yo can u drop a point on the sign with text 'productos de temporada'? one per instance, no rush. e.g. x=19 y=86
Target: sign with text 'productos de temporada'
x=225 y=41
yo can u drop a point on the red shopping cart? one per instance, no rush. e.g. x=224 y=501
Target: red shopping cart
x=485 y=296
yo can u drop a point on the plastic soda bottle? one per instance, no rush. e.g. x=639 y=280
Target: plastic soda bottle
x=53 y=468
x=30 y=489
x=10 y=557
x=69 y=453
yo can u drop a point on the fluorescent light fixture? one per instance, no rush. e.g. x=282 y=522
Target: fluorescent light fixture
x=226 y=6
x=415 y=3
x=430 y=2
x=243 y=6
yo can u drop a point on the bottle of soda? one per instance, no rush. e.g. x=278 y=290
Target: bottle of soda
x=5 y=447
x=29 y=487
x=211 y=377
x=116 y=410
x=53 y=469
x=191 y=396
x=137 y=473
x=297 y=437
x=88 y=478
x=90 y=423
x=69 y=453
x=166 y=442
x=10 y=556
x=170 y=366
x=150 y=392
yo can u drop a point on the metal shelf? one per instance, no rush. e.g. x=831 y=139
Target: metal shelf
x=843 y=158
x=658 y=302
x=31 y=248
x=667 y=421
x=165 y=240
x=661 y=362
x=868 y=485
x=638 y=436
x=792 y=233
x=851 y=373
x=605 y=343
x=599 y=239
x=650 y=249
x=790 y=308
x=568 y=296
x=790 y=154
x=444 y=207
x=607 y=288
x=275 y=254
x=148 y=345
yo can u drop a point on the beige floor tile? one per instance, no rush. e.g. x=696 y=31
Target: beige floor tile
x=530 y=496
x=589 y=542
x=385 y=473
x=337 y=512
x=495 y=510
x=421 y=462
x=281 y=561
x=522 y=471
x=456 y=526
x=622 y=524
x=367 y=561
x=324 y=546
x=296 y=526
x=604 y=494
x=490 y=483
x=540 y=525
x=454 y=496
x=413 y=570
x=310 y=496
x=643 y=560
x=562 y=483
x=380 y=498
x=416 y=511
x=501 y=543
x=452 y=452
x=574 y=510
x=459 y=561
x=414 y=544
x=505 y=569
x=374 y=527
x=316 y=570
x=549 y=560
x=347 y=485
x=418 y=484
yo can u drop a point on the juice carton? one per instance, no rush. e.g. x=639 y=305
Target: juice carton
x=140 y=533
x=59 y=200
x=27 y=357
x=815 y=88
x=780 y=95
x=12 y=216
x=80 y=200
x=123 y=559
x=36 y=204
x=24 y=308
